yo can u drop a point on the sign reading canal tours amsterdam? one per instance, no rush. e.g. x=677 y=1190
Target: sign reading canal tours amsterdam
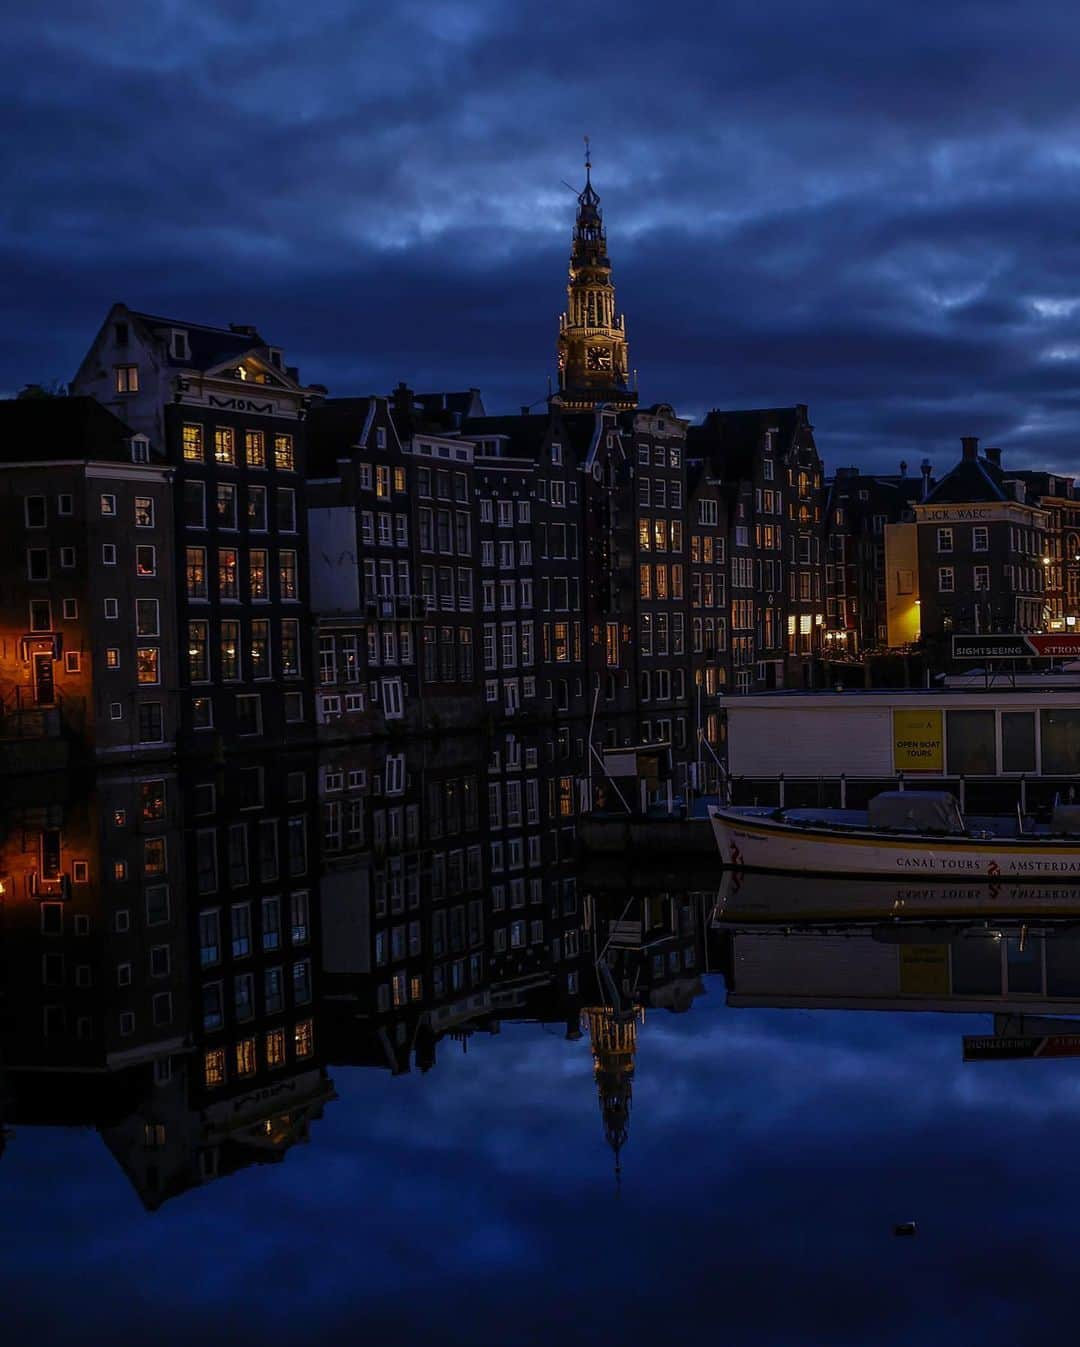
x=917 y=741
x=1014 y=645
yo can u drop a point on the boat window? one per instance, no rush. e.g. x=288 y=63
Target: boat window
x=1023 y=962
x=971 y=748
x=1063 y=966
x=976 y=966
x=1018 y=741
x=1060 y=742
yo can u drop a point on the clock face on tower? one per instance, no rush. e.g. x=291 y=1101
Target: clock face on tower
x=598 y=358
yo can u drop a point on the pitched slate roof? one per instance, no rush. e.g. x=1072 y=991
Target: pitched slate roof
x=333 y=427
x=34 y=429
x=971 y=479
x=526 y=434
x=209 y=346
x=735 y=437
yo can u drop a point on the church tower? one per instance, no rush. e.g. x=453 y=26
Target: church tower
x=592 y=349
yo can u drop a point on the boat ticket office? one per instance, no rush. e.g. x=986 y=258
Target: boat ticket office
x=994 y=746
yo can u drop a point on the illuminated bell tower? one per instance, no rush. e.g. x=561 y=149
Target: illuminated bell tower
x=592 y=349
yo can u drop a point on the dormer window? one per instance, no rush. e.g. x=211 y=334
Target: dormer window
x=556 y=455
x=275 y=358
x=380 y=437
x=140 y=449
x=180 y=348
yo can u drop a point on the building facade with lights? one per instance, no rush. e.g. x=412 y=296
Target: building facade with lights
x=87 y=603
x=220 y=409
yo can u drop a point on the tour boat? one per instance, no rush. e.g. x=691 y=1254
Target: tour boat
x=904 y=834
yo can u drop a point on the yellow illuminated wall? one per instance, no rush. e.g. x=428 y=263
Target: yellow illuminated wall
x=902 y=583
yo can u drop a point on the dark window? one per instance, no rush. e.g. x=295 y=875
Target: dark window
x=151 y=723
x=1060 y=742
x=195 y=504
x=1018 y=741
x=971 y=743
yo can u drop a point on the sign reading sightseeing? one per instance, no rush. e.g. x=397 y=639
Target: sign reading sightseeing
x=1014 y=645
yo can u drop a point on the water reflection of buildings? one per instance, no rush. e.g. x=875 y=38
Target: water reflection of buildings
x=192 y=1059
x=184 y=954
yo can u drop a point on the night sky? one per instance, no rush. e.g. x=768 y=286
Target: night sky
x=872 y=209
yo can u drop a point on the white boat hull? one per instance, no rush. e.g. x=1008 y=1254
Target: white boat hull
x=757 y=842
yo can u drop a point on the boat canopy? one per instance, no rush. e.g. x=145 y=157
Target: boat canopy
x=918 y=811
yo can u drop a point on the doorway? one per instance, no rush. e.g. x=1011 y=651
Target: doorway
x=43 y=680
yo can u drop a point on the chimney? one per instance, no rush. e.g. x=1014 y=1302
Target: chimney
x=994 y=456
x=903 y=467
x=970 y=445
x=926 y=468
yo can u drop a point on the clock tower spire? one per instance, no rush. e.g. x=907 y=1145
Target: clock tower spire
x=592 y=349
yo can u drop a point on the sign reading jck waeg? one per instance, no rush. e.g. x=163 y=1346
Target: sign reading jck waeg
x=917 y=741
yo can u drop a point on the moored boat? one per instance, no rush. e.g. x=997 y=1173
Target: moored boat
x=905 y=834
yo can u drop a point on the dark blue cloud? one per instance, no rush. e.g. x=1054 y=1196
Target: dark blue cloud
x=865 y=209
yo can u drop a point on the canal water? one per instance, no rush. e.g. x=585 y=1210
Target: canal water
x=482 y=1114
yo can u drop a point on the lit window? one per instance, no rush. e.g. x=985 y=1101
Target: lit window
x=144 y=512
x=254 y=449
x=112 y=657
x=214 y=1067
x=283 y=453
x=193 y=443
x=146 y=664
x=145 y=560
x=127 y=378
x=224 y=445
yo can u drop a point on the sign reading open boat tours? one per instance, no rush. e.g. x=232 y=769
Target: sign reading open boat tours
x=1017 y=645
x=917 y=741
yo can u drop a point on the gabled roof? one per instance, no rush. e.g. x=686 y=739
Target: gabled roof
x=209 y=346
x=971 y=479
x=735 y=437
x=525 y=434
x=333 y=428
x=41 y=429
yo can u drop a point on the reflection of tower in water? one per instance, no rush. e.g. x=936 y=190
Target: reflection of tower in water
x=613 y=1035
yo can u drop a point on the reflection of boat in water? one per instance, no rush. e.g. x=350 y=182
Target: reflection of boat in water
x=751 y=898
x=904 y=833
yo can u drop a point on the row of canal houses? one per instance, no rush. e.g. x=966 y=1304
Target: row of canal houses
x=337 y=568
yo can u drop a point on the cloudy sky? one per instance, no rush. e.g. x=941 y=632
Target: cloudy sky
x=872 y=209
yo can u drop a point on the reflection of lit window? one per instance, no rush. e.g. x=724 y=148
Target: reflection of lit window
x=305 y=1038
x=275 y=1047
x=153 y=799
x=230 y=651
x=214 y=1066
x=245 y=1057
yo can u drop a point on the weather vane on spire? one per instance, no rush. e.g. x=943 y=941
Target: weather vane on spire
x=588 y=159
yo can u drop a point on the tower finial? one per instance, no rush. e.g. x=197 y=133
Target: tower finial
x=588 y=160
